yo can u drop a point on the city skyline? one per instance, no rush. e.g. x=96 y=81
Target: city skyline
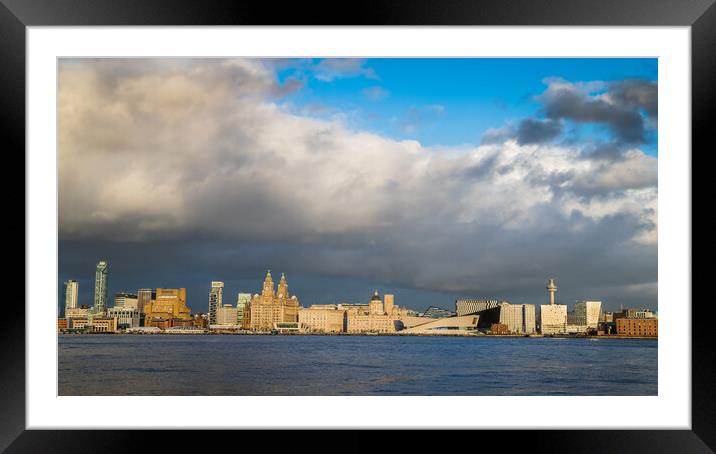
x=430 y=179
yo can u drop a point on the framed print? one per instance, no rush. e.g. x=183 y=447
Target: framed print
x=440 y=217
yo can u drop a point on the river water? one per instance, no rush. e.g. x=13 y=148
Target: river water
x=190 y=365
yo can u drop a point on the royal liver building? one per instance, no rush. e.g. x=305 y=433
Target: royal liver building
x=272 y=307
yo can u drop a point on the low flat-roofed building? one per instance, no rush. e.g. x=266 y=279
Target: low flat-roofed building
x=158 y=322
x=288 y=327
x=62 y=324
x=445 y=325
x=576 y=329
x=183 y=330
x=99 y=324
x=144 y=330
x=638 y=327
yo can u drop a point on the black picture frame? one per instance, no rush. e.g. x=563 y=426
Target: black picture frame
x=16 y=15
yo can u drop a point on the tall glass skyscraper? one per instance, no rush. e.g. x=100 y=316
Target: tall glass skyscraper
x=100 y=288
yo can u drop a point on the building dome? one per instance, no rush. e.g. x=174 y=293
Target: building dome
x=376 y=297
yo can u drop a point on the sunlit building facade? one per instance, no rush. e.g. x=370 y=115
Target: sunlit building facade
x=323 y=319
x=553 y=318
x=169 y=303
x=271 y=306
x=71 y=295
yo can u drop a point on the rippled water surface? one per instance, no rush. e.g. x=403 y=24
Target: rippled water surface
x=353 y=365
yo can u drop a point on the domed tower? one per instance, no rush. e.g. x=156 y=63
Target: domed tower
x=282 y=288
x=267 y=292
x=376 y=304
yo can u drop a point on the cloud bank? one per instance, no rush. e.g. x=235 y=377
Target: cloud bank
x=202 y=156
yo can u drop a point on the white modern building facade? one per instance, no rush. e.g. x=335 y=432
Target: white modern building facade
x=71 y=295
x=553 y=318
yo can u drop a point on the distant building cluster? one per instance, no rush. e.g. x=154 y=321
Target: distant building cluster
x=585 y=318
x=275 y=310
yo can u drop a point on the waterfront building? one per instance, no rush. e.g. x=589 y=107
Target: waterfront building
x=128 y=300
x=145 y=297
x=243 y=301
x=226 y=315
x=215 y=300
x=474 y=306
x=553 y=318
x=158 y=322
x=272 y=306
x=638 y=327
x=585 y=313
x=372 y=323
x=169 y=303
x=575 y=329
x=77 y=312
x=62 y=324
x=95 y=324
x=323 y=319
x=462 y=324
x=100 y=287
x=71 y=292
x=127 y=317
x=374 y=320
x=182 y=323
x=519 y=318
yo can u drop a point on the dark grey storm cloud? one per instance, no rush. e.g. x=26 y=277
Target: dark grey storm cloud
x=617 y=105
x=532 y=130
x=183 y=172
x=528 y=131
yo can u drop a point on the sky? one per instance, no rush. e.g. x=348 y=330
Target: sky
x=433 y=179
